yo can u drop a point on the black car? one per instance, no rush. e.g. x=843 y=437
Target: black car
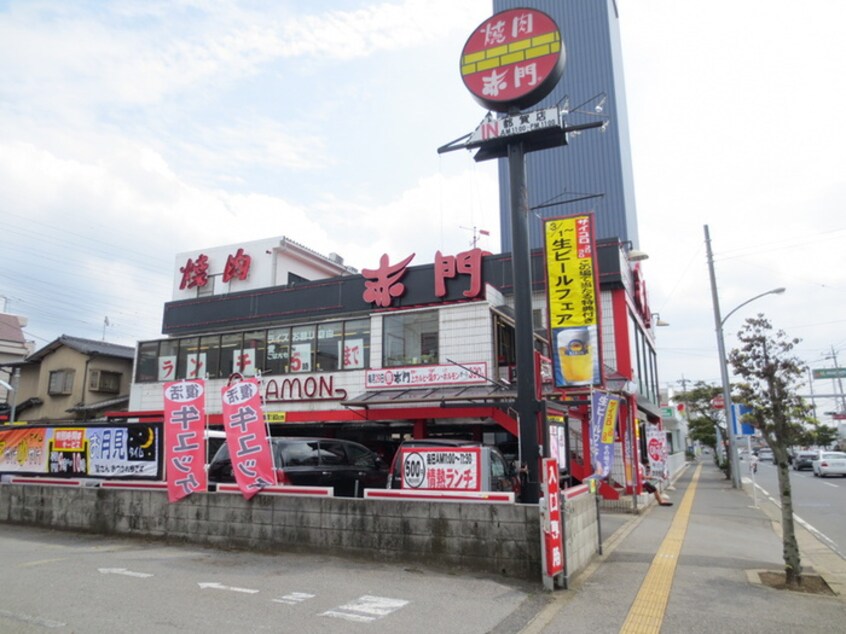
x=324 y=462
x=804 y=460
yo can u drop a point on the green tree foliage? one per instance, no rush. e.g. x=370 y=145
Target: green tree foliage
x=771 y=375
x=703 y=419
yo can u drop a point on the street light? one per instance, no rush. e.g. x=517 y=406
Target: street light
x=721 y=348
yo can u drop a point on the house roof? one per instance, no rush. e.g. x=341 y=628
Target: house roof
x=89 y=347
x=10 y=329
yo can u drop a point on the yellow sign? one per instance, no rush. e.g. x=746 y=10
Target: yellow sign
x=572 y=299
x=275 y=417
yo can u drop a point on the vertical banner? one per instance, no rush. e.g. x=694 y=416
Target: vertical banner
x=553 y=537
x=603 y=421
x=246 y=437
x=573 y=299
x=185 y=445
x=656 y=449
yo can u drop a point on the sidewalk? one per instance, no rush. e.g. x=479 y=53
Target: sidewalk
x=696 y=562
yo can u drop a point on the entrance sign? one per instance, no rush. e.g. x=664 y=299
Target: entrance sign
x=513 y=59
x=553 y=536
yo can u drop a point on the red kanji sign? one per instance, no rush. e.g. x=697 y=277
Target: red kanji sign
x=513 y=59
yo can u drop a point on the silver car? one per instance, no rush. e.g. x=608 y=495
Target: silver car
x=830 y=463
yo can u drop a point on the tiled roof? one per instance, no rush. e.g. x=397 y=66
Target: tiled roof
x=85 y=346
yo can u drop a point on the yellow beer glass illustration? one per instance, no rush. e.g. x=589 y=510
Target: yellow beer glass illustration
x=575 y=356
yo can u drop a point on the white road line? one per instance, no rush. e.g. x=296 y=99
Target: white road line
x=366 y=609
x=34 y=620
x=124 y=571
x=809 y=527
x=219 y=586
x=294 y=598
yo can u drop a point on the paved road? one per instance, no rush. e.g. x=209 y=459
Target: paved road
x=82 y=583
x=819 y=503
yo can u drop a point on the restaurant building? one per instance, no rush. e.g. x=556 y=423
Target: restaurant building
x=397 y=350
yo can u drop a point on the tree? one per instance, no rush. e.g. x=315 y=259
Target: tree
x=823 y=435
x=771 y=376
x=703 y=419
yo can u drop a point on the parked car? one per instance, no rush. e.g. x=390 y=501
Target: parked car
x=830 y=463
x=325 y=462
x=497 y=473
x=804 y=460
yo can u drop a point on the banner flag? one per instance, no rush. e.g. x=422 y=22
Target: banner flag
x=572 y=297
x=603 y=421
x=246 y=437
x=185 y=445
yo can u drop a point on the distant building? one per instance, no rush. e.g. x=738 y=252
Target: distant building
x=73 y=379
x=593 y=172
x=13 y=347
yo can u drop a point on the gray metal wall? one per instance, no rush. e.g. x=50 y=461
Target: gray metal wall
x=594 y=162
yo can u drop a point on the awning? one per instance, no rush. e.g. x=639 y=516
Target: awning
x=476 y=394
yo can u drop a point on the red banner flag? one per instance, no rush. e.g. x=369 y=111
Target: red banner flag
x=185 y=447
x=246 y=437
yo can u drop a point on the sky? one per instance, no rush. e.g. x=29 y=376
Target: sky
x=131 y=131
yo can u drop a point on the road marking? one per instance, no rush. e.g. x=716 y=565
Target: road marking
x=41 y=562
x=219 y=586
x=34 y=620
x=294 y=598
x=123 y=571
x=809 y=527
x=366 y=609
x=650 y=604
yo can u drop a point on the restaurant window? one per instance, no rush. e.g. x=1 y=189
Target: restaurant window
x=302 y=348
x=188 y=358
x=330 y=338
x=209 y=357
x=251 y=358
x=278 y=350
x=148 y=356
x=168 y=356
x=230 y=351
x=410 y=339
x=356 y=352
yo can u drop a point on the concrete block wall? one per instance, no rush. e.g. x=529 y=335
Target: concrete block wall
x=581 y=531
x=497 y=539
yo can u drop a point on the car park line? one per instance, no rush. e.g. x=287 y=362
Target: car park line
x=366 y=609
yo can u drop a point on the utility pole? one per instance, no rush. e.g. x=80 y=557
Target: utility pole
x=833 y=356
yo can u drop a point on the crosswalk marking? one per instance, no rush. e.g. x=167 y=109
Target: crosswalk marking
x=294 y=598
x=366 y=609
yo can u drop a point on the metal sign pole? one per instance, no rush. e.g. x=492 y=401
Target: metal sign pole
x=527 y=403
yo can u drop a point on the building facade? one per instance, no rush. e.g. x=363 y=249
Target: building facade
x=594 y=171
x=402 y=351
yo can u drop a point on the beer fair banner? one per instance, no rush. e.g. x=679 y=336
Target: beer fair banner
x=603 y=421
x=102 y=451
x=246 y=437
x=573 y=300
x=185 y=443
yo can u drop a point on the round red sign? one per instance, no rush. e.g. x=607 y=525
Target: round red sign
x=513 y=59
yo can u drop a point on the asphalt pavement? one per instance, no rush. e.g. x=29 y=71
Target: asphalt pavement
x=693 y=567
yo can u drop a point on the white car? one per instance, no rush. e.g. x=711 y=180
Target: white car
x=829 y=463
x=766 y=454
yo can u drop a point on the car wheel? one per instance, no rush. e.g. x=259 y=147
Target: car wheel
x=816 y=475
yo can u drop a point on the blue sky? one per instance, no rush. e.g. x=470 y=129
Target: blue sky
x=133 y=131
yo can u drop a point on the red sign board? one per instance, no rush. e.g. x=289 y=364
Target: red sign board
x=553 y=537
x=513 y=59
x=185 y=446
x=718 y=402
